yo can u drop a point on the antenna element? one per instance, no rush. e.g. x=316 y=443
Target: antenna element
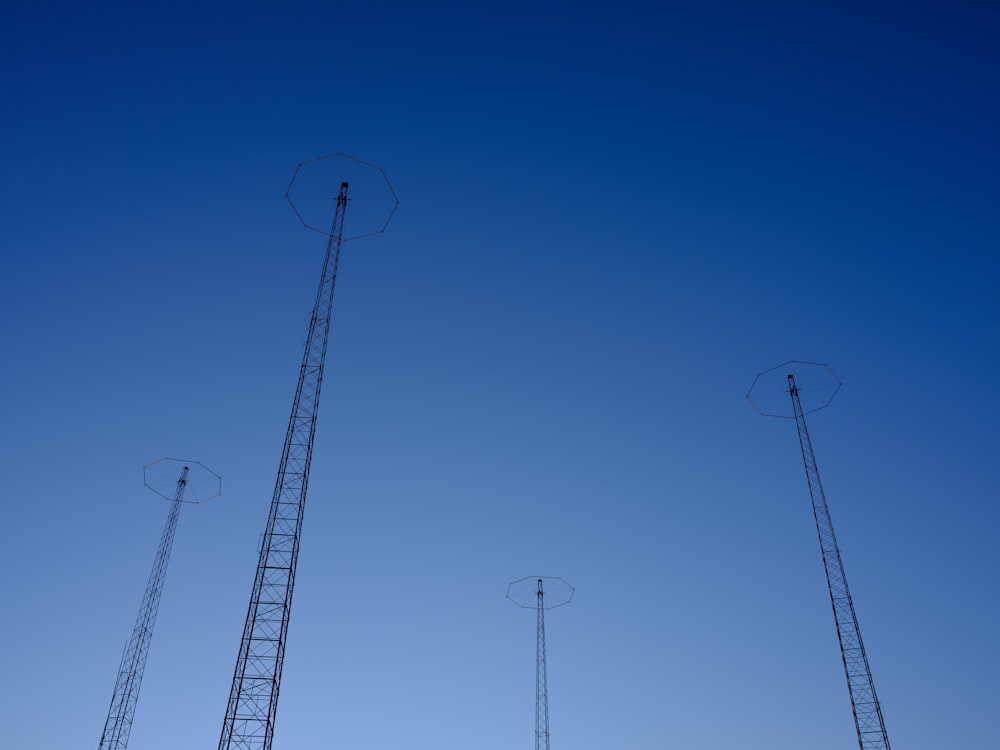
x=530 y=593
x=823 y=385
x=200 y=484
x=253 y=698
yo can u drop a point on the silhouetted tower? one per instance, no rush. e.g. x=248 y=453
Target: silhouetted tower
x=253 y=698
x=200 y=484
x=560 y=593
x=822 y=386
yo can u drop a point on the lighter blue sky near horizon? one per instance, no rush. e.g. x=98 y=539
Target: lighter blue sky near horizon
x=612 y=217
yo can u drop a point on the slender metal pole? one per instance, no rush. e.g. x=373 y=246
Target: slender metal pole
x=541 y=679
x=253 y=698
x=123 y=702
x=864 y=702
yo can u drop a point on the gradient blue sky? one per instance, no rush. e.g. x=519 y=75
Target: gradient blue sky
x=613 y=216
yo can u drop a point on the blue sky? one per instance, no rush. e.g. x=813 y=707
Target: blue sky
x=612 y=217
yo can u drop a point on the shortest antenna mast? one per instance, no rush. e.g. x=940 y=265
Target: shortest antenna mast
x=540 y=593
x=180 y=482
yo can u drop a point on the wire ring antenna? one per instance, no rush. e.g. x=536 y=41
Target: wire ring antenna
x=313 y=191
x=816 y=382
x=201 y=484
x=524 y=592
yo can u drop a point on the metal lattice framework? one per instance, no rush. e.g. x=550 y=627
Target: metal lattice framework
x=822 y=386
x=118 y=725
x=253 y=699
x=864 y=702
x=519 y=593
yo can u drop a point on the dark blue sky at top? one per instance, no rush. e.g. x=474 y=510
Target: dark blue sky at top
x=612 y=217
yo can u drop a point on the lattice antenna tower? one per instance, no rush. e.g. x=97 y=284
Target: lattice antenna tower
x=178 y=481
x=809 y=387
x=540 y=593
x=316 y=187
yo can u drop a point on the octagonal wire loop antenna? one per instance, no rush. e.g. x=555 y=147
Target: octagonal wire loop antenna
x=555 y=592
x=165 y=476
x=816 y=382
x=316 y=184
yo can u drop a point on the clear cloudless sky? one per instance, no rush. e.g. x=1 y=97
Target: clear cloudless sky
x=613 y=215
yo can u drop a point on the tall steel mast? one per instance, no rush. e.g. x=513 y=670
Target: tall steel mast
x=253 y=698
x=541 y=678
x=864 y=702
x=118 y=725
x=822 y=386
x=530 y=593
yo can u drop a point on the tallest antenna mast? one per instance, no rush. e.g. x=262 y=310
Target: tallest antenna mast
x=820 y=385
x=253 y=699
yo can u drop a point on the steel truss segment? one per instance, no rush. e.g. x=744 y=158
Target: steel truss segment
x=541 y=678
x=253 y=699
x=868 y=720
x=540 y=593
x=118 y=724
